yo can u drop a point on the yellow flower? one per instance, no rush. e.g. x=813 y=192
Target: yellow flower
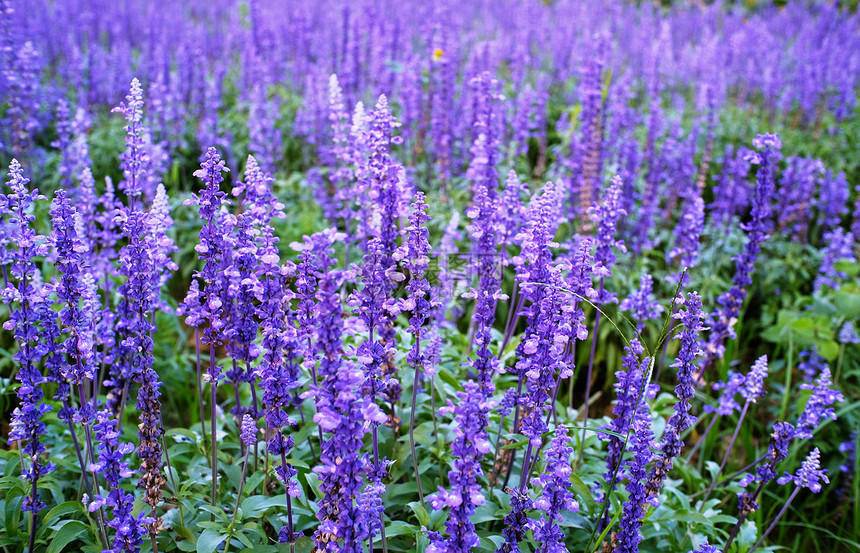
x=437 y=54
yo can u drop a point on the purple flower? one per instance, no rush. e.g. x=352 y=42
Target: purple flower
x=587 y=150
x=731 y=191
x=818 y=405
x=135 y=159
x=470 y=445
x=555 y=495
x=688 y=232
x=632 y=512
x=75 y=291
x=129 y=529
x=606 y=215
x=541 y=352
x=215 y=250
x=840 y=245
x=484 y=149
x=727 y=403
x=342 y=154
x=248 y=433
x=777 y=450
x=631 y=390
x=847 y=334
x=278 y=369
x=685 y=363
x=243 y=287
x=811 y=364
x=25 y=298
x=849 y=447
x=723 y=321
x=419 y=301
x=516 y=522
x=264 y=136
x=705 y=548
x=754 y=381
x=797 y=188
x=833 y=200
x=22 y=94
x=809 y=473
x=642 y=303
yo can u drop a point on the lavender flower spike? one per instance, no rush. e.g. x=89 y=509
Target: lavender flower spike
x=642 y=303
x=807 y=476
x=818 y=405
x=681 y=419
x=470 y=444
x=809 y=473
x=556 y=496
x=26 y=423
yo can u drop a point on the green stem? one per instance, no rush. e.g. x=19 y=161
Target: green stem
x=412 y=422
x=778 y=516
x=238 y=500
x=839 y=364
x=728 y=452
x=786 y=392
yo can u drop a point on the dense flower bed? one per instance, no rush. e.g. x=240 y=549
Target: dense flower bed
x=502 y=276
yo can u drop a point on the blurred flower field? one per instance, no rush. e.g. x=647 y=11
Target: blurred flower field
x=491 y=276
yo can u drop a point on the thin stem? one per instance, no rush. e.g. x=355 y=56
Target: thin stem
x=788 y=364
x=238 y=500
x=778 y=516
x=701 y=439
x=515 y=429
x=213 y=388
x=742 y=517
x=588 y=376
x=570 y=358
x=665 y=348
x=80 y=457
x=733 y=475
x=526 y=460
x=200 y=385
x=728 y=450
x=838 y=364
x=412 y=423
x=121 y=413
x=512 y=324
x=33 y=520
x=510 y=319
x=435 y=428
x=170 y=474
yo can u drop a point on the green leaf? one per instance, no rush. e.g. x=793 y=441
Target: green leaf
x=847 y=266
x=828 y=350
x=61 y=510
x=398 y=528
x=847 y=304
x=209 y=540
x=420 y=513
x=449 y=379
x=582 y=492
x=68 y=533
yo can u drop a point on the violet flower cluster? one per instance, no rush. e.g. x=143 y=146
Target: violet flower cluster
x=723 y=321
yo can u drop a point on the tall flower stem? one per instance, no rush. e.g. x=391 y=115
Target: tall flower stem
x=588 y=377
x=239 y=499
x=213 y=388
x=742 y=517
x=412 y=431
x=200 y=386
x=775 y=521
x=701 y=439
x=728 y=451
x=783 y=409
x=516 y=426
